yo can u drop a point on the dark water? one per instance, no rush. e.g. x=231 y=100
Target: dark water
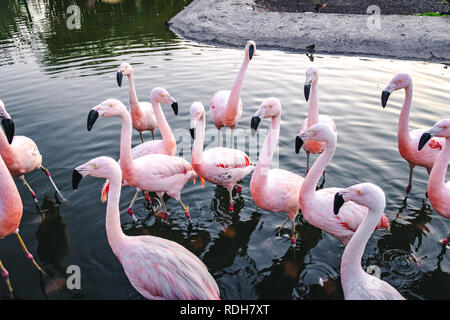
x=50 y=78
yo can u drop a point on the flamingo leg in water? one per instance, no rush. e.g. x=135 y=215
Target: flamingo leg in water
x=163 y=206
x=142 y=137
x=130 y=207
x=231 y=139
x=33 y=194
x=28 y=254
x=446 y=242
x=5 y=276
x=153 y=135
x=307 y=161
x=231 y=207
x=409 y=187
x=218 y=137
x=47 y=173
x=186 y=210
x=294 y=234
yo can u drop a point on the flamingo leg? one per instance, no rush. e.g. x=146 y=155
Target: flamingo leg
x=28 y=254
x=231 y=139
x=163 y=205
x=409 y=187
x=307 y=161
x=294 y=234
x=130 y=207
x=142 y=137
x=153 y=134
x=446 y=242
x=282 y=225
x=5 y=276
x=231 y=207
x=186 y=210
x=33 y=194
x=218 y=137
x=47 y=173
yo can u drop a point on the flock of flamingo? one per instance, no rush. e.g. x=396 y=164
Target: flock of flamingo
x=162 y=269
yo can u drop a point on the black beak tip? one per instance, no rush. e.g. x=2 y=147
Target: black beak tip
x=251 y=51
x=384 y=98
x=298 y=144
x=423 y=140
x=255 y=123
x=175 y=108
x=92 y=117
x=8 y=126
x=119 y=78
x=192 y=131
x=338 y=203
x=307 y=90
x=76 y=178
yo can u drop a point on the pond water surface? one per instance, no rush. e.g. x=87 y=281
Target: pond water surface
x=51 y=76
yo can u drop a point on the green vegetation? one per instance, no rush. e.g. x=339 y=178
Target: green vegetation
x=432 y=14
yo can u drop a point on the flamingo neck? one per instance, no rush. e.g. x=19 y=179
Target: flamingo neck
x=439 y=171
x=197 y=148
x=126 y=158
x=134 y=102
x=308 y=189
x=233 y=99
x=113 y=228
x=163 y=125
x=10 y=202
x=266 y=154
x=313 y=112
x=351 y=259
x=404 y=137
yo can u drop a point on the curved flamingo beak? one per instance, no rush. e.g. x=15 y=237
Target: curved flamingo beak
x=426 y=136
x=76 y=178
x=175 y=107
x=307 y=90
x=255 y=123
x=119 y=78
x=8 y=126
x=92 y=117
x=384 y=97
x=251 y=51
x=298 y=144
x=338 y=203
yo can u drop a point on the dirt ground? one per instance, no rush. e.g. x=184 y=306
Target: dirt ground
x=402 y=7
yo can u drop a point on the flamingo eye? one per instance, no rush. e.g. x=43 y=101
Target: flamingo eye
x=95 y=166
x=359 y=192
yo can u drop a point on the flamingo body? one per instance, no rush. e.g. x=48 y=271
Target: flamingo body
x=22 y=157
x=218 y=108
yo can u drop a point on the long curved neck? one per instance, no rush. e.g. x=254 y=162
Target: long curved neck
x=197 y=148
x=265 y=156
x=351 y=259
x=313 y=112
x=126 y=158
x=403 y=122
x=308 y=188
x=10 y=201
x=233 y=99
x=439 y=171
x=134 y=102
x=113 y=228
x=163 y=125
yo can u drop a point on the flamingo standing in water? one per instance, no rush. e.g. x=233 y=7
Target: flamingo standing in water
x=21 y=155
x=220 y=166
x=226 y=106
x=157 y=268
x=439 y=191
x=317 y=206
x=167 y=145
x=142 y=114
x=312 y=86
x=357 y=284
x=153 y=172
x=10 y=207
x=274 y=190
x=408 y=140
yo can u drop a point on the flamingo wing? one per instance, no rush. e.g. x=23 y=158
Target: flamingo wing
x=226 y=158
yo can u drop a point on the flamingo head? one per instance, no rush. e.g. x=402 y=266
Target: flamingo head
x=321 y=132
x=312 y=75
x=196 y=113
x=270 y=108
x=108 y=108
x=161 y=95
x=440 y=129
x=7 y=123
x=250 y=49
x=125 y=69
x=400 y=81
x=101 y=167
x=366 y=194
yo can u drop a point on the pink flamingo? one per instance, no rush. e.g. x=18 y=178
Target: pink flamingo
x=439 y=191
x=220 y=166
x=226 y=106
x=10 y=208
x=317 y=206
x=157 y=268
x=357 y=284
x=142 y=114
x=312 y=86
x=167 y=145
x=21 y=155
x=408 y=140
x=153 y=172
x=274 y=190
